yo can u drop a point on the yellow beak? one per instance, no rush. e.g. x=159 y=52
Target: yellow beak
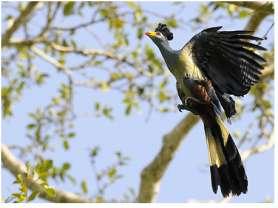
x=150 y=34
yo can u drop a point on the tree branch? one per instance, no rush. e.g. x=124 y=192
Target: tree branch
x=18 y=22
x=48 y=58
x=152 y=174
x=16 y=167
x=249 y=4
x=258 y=16
x=258 y=149
x=268 y=71
x=91 y=52
x=261 y=10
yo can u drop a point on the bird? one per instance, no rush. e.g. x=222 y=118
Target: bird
x=209 y=69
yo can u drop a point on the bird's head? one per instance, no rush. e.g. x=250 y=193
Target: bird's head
x=161 y=34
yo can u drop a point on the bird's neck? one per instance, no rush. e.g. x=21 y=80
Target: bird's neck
x=170 y=56
x=165 y=49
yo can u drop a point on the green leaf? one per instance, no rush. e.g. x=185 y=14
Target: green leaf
x=19 y=88
x=140 y=33
x=128 y=109
x=104 y=86
x=66 y=166
x=55 y=100
x=243 y=14
x=112 y=172
x=6 y=101
x=20 y=197
x=97 y=106
x=94 y=152
x=149 y=52
x=49 y=191
x=71 y=135
x=266 y=104
x=65 y=91
x=172 y=22
x=115 y=76
x=40 y=78
x=31 y=126
x=66 y=144
x=231 y=8
x=107 y=112
x=84 y=186
x=117 y=23
x=48 y=164
x=162 y=96
x=68 y=8
x=33 y=196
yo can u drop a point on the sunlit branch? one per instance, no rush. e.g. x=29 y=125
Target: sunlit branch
x=152 y=174
x=258 y=16
x=254 y=5
x=18 y=22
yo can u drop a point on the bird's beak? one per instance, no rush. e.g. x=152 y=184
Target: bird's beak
x=150 y=34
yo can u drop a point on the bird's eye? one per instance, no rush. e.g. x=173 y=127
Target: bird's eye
x=158 y=33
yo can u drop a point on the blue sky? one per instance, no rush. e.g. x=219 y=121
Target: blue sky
x=188 y=175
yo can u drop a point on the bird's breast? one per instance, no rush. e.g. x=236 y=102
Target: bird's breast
x=186 y=66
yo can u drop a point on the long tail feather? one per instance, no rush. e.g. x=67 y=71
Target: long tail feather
x=226 y=167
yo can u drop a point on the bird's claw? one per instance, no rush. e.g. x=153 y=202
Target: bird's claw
x=187 y=106
x=181 y=107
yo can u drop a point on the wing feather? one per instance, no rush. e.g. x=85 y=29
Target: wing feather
x=228 y=59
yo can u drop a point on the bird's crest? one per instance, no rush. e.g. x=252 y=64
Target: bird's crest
x=164 y=30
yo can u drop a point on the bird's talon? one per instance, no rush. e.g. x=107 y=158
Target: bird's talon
x=180 y=107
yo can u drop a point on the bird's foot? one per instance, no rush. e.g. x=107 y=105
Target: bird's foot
x=189 y=103
x=181 y=107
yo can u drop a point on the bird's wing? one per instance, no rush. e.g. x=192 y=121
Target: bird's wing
x=228 y=59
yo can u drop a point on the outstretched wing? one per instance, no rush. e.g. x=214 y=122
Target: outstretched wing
x=228 y=59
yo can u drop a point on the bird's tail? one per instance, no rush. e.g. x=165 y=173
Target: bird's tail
x=226 y=166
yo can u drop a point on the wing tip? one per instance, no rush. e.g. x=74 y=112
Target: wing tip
x=212 y=29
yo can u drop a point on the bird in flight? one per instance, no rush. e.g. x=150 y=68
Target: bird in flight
x=208 y=69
